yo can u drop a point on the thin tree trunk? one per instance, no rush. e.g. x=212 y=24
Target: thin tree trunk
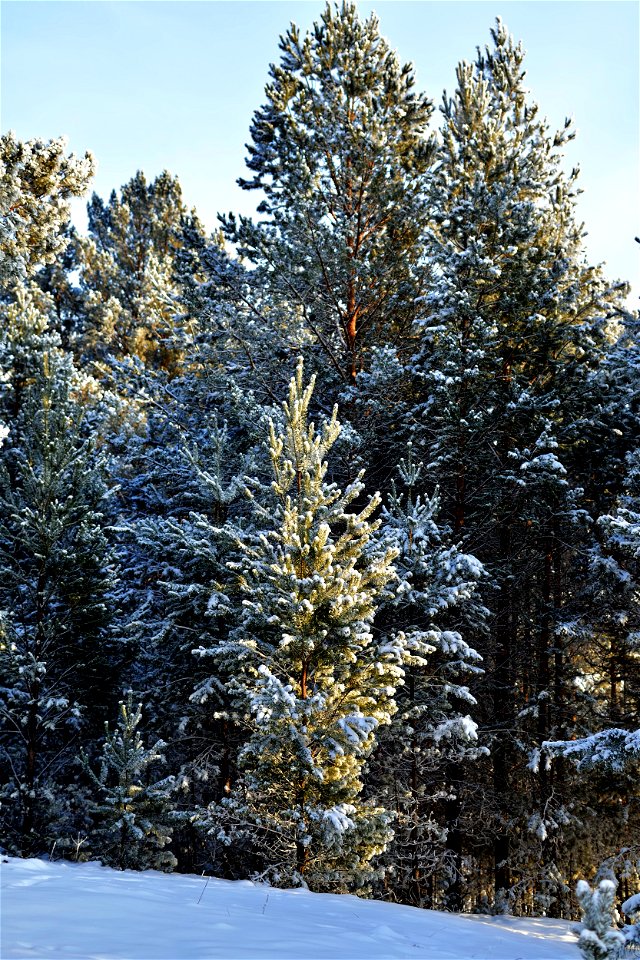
x=302 y=850
x=454 y=772
x=414 y=835
x=503 y=713
x=544 y=655
x=28 y=818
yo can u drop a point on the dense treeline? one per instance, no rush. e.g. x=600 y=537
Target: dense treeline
x=331 y=517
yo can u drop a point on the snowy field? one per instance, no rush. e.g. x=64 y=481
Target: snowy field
x=69 y=911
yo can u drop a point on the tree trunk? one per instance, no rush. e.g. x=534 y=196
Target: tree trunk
x=454 y=772
x=28 y=816
x=454 y=899
x=351 y=332
x=503 y=713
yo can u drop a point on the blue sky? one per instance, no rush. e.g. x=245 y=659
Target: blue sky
x=154 y=85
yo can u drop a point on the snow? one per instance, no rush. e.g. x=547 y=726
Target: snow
x=70 y=911
x=632 y=905
x=614 y=748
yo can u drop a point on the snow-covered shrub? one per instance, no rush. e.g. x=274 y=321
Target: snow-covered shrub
x=599 y=939
x=631 y=909
x=132 y=815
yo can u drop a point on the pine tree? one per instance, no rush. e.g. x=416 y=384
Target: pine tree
x=178 y=597
x=599 y=939
x=127 y=271
x=60 y=656
x=339 y=151
x=132 y=814
x=306 y=672
x=176 y=433
x=154 y=407
x=37 y=180
x=515 y=324
x=419 y=764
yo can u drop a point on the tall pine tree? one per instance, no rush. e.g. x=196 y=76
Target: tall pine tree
x=60 y=659
x=339 y=151
x=515 y=323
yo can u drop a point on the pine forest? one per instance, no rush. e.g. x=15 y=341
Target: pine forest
x=320 y=534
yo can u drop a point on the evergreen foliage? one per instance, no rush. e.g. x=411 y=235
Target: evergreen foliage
x=132 y=814
x=339 y=152
x=380 y=694
x=631 y=909
x=432 y=732
x=599 y=939
x=307 y=673
x=515 y=327
x=60 y=656
x=609 y=670
x=127 y=270
x=180 y=576
x=37 y=180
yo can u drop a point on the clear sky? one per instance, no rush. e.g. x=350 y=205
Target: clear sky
x=153 y=85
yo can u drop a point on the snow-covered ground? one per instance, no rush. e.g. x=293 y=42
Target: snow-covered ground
x=69 y=911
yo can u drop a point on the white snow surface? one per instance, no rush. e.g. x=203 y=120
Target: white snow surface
x=67 y=910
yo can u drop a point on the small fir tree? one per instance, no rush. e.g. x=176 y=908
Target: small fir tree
x=132 y=814
x=599 y=938
x=307 y=673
